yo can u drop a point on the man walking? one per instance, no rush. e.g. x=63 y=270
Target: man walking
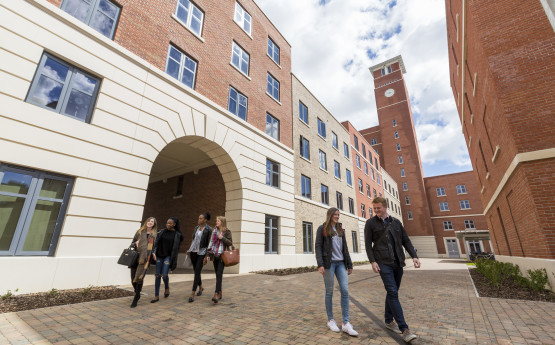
x=385 y=238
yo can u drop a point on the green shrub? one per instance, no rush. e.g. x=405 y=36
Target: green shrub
x=538 y=279
x=499 y=273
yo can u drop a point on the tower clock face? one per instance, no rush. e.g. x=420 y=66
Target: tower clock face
x=389 y=92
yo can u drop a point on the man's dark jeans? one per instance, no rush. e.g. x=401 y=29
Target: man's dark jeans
x=391 y=277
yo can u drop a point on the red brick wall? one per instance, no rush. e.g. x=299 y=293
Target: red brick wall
x=510 y=50
x=146 y=28
x=449 y=182
x=202 y=192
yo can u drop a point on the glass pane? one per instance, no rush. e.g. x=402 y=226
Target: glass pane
x=54 y=70
x=182 y=13
x=175 y=54
x=275 y=237
x=10 y=211
x=42 y=226
x=108 y=8
x=84 y=83
x=102 y=23
x=17 y=183
x=53 y=189
x=195 y=25
x=190 y=64
x=267 y=239
x=172 y=68
x=47 y=92
x=77 y=8
x=78 y=104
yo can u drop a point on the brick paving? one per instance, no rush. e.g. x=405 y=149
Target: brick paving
x=440 y=307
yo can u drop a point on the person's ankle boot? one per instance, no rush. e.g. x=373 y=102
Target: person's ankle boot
x=192 y=297
x=135 y=300
x=215 y=298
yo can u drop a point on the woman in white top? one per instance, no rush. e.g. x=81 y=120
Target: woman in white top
x=197 y=251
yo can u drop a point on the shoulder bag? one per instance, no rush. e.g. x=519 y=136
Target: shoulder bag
x=230 y=257
x=129 y=257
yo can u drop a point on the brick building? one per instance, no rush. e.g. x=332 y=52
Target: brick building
x=501 y=62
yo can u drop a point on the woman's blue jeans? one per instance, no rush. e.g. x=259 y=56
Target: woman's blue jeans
x=338 y=269
x=162 y=269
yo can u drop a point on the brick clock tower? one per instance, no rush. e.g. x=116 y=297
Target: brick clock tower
x=395 y=141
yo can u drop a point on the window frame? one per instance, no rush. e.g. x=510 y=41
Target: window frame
x=93 y=7
x=469 y=224
x=357 y=160
x=443 y=206
x=373 y=141
x=339 y=198
x=351 y=205
x=270 y=173
x=240 y=58
x=337 y=169
x=355 y=138
x=405 y=186
x=396 y=134
x=346 y=150
x=355 y=241
x=67 y=87
x=308 y=247
x=322 y=158
x=302 y=149
x=349 y=177
x=239 y=95
x=325 y=194
x=440 y=191
x=466 y=203
x=190 y=15
x=274 y=47
x=243 y=18
x=182 y=65
x=271 y=82
x=360 y=186
x=273 y=120
x=268 y=234
x=461 y=189
x=447 y=225
x=409 y=215
x=322 y=128
x=29 y=207
x=363 y=211
x=403 y=172
x=334 y=140
x=306 y=183
x=301 y=112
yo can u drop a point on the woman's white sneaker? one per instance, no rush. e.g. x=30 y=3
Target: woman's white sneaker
x=333 y=326
x=348 y=328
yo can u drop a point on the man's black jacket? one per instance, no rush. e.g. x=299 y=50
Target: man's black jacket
x=378 y=245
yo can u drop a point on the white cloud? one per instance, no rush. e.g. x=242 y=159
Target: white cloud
x=330 y=54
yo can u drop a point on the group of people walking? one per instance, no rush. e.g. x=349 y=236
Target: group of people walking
x=162 y=248
x=385 y=237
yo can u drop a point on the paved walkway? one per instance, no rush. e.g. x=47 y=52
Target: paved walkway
x=439 y=302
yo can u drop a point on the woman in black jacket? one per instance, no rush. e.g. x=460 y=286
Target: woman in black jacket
x=197 y=251
x=166 y=249
x=220 y=240
x=332 y=256
x=144 y=243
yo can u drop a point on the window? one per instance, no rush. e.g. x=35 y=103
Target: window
x=360 y=188
x=271 y=235
x=351 y=206
x=371 y=213
x=242 y=18
x=307 y=238
x=373 y=141
x=240 y=59
x=379 y=180
x=180 y=66
x=321 y=128
x=409 y=214
x=273 y=50
x=368 y=193
x=33 y=210
x=334 y=142
x=374 y=192
x=346 y=150
x=440 y=191
x=339 y=197
x=305 y=187
x=356 y=142
x=305 y=148
x=443 y=206
x=272 y=87
x=363 y=150
x=366 y=168
x=469 y=224
x=376 y=163
x=407 y=200
x=465 y=204
x=373 y=175
x=386 y=70
x=323 y=161
x=101 y=15
x=402 y=172
x=398 y=146
x=363 y=210
x=394 y=123
x=447 y=225
x=349 y=179
x=400 y=159
x=358 y=161
x=272 y=173
x=325 y=194
x=355 y=242
x=190 y=15
x=272 y=126
x=461 y=189
x=396 y=135
x=405 y=186
x=303 y=112
x=237 y=103
x=62 y=88
x=337 y=169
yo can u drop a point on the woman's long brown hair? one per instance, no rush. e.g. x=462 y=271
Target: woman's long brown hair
x=328 y=229
x=154 y=227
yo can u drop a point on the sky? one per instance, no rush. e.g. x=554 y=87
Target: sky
x=334 y=42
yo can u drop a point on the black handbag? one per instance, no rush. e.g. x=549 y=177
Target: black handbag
x=129 y=257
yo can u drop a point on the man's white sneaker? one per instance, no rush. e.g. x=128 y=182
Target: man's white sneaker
x=348 y=328
x=393 y=326
x=333 y=326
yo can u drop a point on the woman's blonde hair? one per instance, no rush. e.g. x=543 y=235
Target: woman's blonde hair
x=223 y=221
x=328 y=228
x=154 y=227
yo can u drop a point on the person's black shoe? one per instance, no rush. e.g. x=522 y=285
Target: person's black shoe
x=166 y=293
x=155 y=300
x=200 y=290
x=191 y=299
x=135 y=300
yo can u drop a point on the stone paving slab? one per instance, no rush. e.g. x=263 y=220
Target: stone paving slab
x=440 y=307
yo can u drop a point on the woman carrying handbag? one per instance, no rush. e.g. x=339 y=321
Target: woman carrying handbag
x=220 y=240
x=144 y=243
x=197 y=252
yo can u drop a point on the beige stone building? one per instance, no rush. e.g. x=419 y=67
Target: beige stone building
x=391 y=194
x=323 y=175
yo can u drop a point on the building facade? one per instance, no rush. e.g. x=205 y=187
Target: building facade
x=108 y=118
x=391 y=194
x=458 y=221
x=501 y=65
x=324 y=175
